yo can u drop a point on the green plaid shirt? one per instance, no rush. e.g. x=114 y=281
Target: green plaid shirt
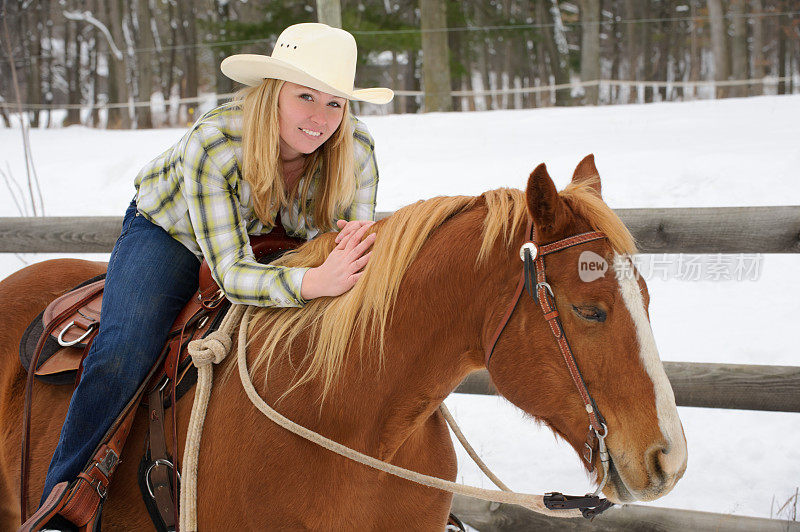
x=196 y=192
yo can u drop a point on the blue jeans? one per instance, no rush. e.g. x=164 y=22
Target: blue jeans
x=150 y=278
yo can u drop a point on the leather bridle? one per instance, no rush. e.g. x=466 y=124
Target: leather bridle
x=534 y=280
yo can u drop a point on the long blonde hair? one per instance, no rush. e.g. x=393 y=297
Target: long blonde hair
x=261 y=164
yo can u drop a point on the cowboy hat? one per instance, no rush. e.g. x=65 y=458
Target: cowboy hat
x=310 y=54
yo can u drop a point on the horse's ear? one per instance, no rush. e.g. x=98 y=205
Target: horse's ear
x=548 y=210
x=587 y=171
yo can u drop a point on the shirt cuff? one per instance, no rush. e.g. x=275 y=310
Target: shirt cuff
x=295 y=280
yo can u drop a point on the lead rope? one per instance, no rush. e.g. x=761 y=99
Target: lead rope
x=215 y=347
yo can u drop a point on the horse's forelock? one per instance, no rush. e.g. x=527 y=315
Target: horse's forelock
x=586 y=203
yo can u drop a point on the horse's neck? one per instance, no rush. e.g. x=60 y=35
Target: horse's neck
x=435 y=338
x=438 y=329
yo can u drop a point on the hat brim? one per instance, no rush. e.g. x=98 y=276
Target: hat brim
x=252 y=69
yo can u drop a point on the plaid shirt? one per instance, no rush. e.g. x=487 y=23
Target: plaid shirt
x=195 y=191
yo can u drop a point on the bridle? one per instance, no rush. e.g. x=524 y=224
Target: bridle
x=534 y=280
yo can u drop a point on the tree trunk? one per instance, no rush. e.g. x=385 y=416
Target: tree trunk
x=47 y=73
x=555 y=44
x=695 y=50
x=132 y=74
x=590 y=48
x=34 y=82
x=188 y=28
x=145 y=61
x=118 y=117
x=783 y=29
x=630 y=33
x=167 y=80
x=329 y=12
x=758 y=62
x=72 y=64
x=224 y=83
x=739 y=47
x=719 y=44
x=435 y=56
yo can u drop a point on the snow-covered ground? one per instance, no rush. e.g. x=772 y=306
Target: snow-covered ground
x=707 y=153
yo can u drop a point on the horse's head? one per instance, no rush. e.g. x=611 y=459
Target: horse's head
x=603 y=308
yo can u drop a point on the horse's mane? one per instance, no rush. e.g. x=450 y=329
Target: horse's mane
x=333 y=323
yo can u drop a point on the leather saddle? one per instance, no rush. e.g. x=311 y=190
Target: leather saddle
x=71 y=336
x=52 y=350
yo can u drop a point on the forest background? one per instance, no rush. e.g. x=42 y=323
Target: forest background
x=155 y=63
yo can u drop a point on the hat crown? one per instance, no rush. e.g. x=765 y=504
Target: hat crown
x=322 y=51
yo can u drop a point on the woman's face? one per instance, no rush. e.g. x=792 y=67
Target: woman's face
x=307 y=118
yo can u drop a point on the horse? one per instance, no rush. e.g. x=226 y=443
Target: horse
x=370 y=368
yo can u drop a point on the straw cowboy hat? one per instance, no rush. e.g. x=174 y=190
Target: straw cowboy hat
x=314 y=55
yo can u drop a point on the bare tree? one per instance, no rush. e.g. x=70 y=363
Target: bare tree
x=757 y=60
x=548 y=13
x=590 y=47
x=187 y=14
x=719 y=44
x=739 y=46
x=329 y=12
x=435 y=58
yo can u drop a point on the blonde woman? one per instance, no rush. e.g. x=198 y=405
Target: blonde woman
x=286 y=150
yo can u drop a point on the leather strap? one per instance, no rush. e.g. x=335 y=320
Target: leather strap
x=49 y=508
x=91 y=488
x=542 y=291
x=26 y=418
x=158 y=479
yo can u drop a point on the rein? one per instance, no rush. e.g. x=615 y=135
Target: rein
x=215 y=347
x=534 y=280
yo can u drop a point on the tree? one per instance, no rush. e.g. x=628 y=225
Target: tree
x=435 y=58
x=719 y=44
x=590 y=47
x=329 y=12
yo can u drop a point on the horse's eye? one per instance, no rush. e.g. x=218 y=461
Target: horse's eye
x=590 y=313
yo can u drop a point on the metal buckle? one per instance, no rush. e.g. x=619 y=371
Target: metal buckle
x=546 y=287
x=158 y=462
x=559 y=501
x=107 y=464
x=101 y=490
x=64 y=343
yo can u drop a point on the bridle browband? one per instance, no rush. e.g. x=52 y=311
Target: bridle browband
x=534 y=280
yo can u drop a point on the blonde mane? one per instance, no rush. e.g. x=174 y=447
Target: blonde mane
x=586 y=203
x=333 y=324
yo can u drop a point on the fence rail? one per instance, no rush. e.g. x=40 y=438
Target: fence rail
x=678 y=230
x=494 y=517
x=732 y=386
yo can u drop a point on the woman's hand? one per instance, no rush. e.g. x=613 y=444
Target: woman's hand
x=342 y=268
x=345 y=227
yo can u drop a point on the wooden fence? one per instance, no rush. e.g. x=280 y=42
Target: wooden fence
x=684 y=230
x=693 y=230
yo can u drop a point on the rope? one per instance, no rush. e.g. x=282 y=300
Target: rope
x=470 y=451
x=201 y=358
x=212 y=348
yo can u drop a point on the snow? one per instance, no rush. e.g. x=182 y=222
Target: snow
x=733 y=152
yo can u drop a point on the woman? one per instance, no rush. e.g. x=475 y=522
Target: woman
x=284 y=151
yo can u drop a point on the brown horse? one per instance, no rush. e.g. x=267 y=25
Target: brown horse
x=370 y=368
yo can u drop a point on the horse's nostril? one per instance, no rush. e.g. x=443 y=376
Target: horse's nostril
x=655 y=459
